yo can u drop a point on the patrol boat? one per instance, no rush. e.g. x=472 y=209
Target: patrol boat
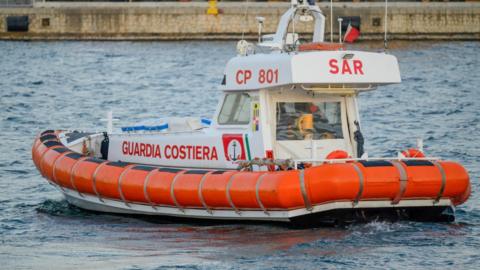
x=284 y=144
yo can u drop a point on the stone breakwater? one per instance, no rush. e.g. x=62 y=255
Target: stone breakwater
x=180 y=21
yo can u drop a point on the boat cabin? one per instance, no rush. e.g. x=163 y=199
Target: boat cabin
x=299 y=101
x=290 y=122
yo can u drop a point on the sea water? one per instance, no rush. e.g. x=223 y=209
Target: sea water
x=71 y=85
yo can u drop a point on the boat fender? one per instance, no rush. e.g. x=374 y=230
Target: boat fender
x=269 y=156
x=49 y=131
x=358 y=136
x=338 y=154
x=104 y=146
x=413 y=153
x=303 y=165
x=85 y=150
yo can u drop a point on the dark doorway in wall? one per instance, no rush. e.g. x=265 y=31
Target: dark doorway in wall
x=17 y=23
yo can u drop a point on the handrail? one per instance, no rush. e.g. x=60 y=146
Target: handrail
x=364 y=159
x=289 y=163
x=344 y=160
x=332 y=88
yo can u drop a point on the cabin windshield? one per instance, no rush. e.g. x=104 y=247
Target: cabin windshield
x=235 y=109
x=308 y=121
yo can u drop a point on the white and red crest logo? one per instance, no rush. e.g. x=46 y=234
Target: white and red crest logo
x=233 y=147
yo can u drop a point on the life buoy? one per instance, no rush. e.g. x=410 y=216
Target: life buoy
x=321 y=46
x=413 y=153
x=338 y=154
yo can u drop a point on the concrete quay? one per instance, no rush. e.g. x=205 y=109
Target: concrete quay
x=189 y=20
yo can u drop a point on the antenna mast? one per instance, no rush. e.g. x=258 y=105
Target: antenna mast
x=245 y=20
x=385 y=24
x=331 y=20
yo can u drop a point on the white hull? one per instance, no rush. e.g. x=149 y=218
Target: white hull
x=90 y=202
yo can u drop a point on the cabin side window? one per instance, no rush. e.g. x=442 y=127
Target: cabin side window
x=309 y=121
x=235 y=110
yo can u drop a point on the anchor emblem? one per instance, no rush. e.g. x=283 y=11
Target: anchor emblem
x=233 y=147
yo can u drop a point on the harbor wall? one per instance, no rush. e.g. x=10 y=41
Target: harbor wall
x=189 y=20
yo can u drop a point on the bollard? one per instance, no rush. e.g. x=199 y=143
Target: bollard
x=212 y=7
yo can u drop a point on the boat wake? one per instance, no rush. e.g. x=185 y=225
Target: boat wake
x=61 y=208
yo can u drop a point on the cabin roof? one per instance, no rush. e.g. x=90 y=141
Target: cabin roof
x=355 y=69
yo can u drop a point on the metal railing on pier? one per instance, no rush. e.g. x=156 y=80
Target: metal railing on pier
x=16 y=3
x=23 y=3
